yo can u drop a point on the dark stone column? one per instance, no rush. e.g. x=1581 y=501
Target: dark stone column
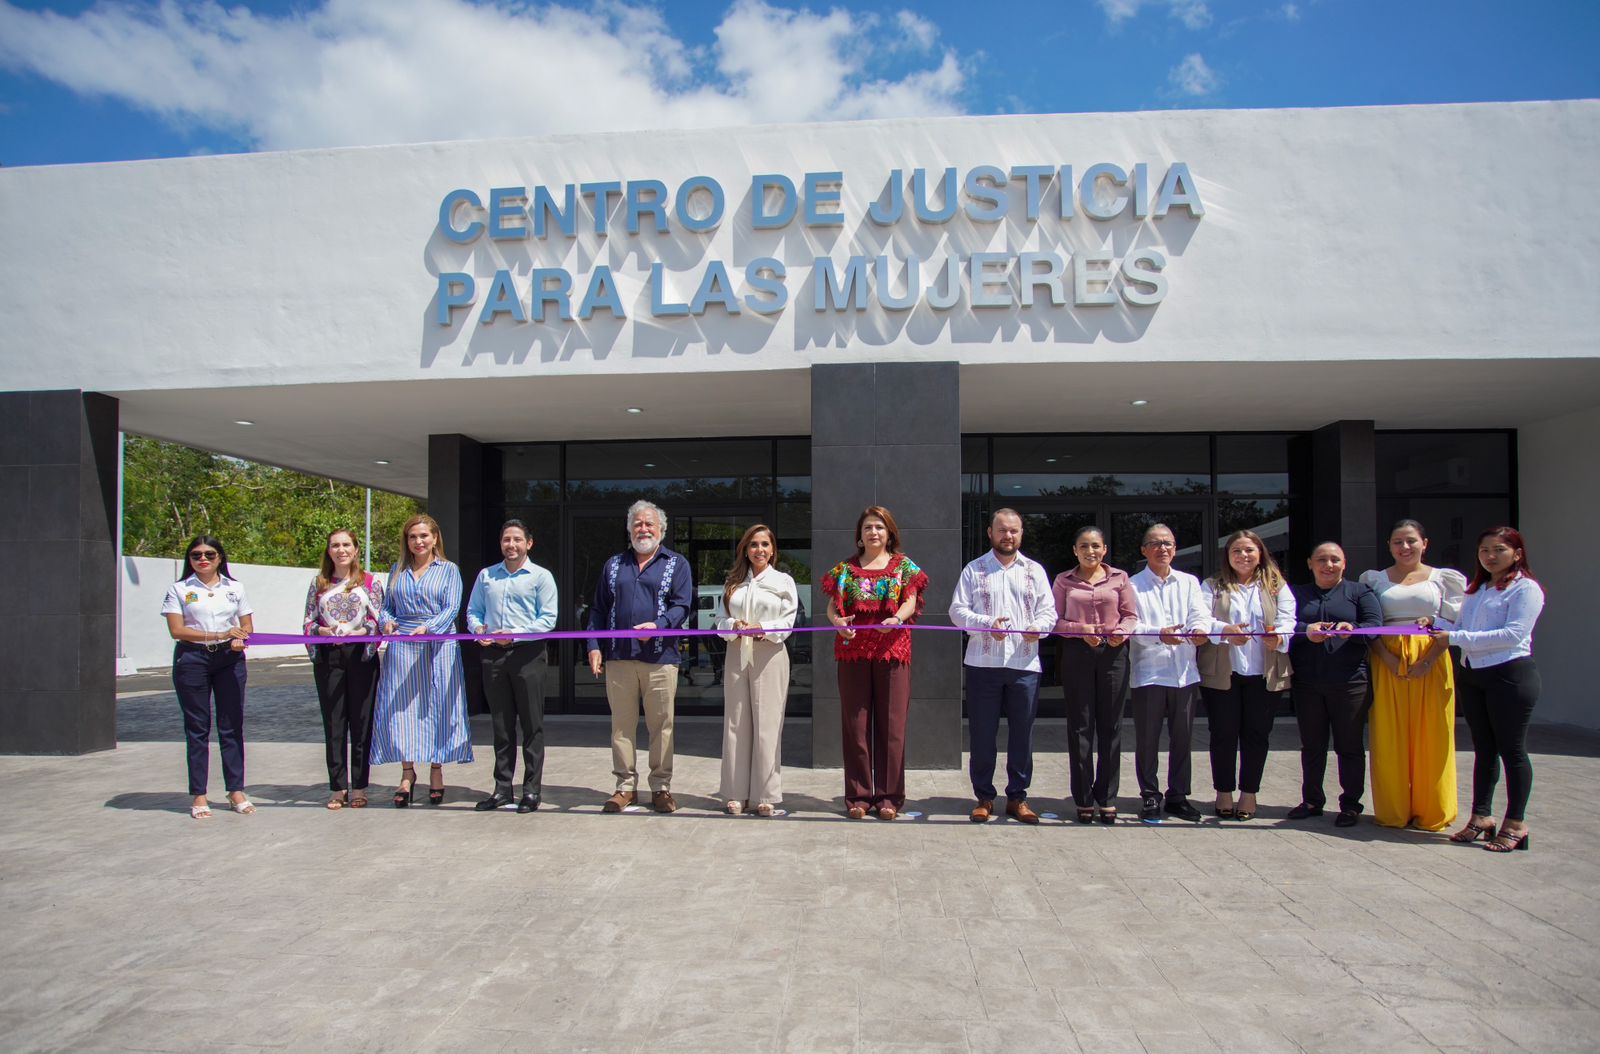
x=58 y=610
x=890 y=434
x=1344 y=495
x=456 y=500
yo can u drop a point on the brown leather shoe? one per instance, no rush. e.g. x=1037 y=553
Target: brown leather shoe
x=1018 y=810
x=984 y=810
x=663 y=801
x=887 y=813
x=618 y=801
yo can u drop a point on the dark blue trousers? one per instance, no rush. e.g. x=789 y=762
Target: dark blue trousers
x=992 y=693
x=201 y=676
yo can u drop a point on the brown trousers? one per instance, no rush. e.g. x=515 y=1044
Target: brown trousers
x=874 y=700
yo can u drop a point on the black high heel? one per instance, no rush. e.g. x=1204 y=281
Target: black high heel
x=402 y=797
x=1507 y=843
x=1472 y=832
x=436 y=794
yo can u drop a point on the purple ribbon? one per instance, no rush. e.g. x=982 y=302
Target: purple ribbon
x=643 y=634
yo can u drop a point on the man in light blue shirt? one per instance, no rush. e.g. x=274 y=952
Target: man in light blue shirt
x=514 y=596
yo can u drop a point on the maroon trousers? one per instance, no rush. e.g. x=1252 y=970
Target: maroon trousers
x=874 y=699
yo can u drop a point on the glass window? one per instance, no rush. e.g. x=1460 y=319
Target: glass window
x=1453 y=526
x=1443 y=462
x=672 y=470
x=1127 y=535
x=530 y=472
x=1101 y=466
x=974 y=467
x=1253 y=464
x=1269 y=518
x=794 y=458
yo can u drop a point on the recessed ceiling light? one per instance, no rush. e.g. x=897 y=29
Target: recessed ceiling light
x=1016 y=486
x=1050 y=461
x=649 y=464
x=635 y=410
x=1140 y=402
x=380 y=462
x=244 y=422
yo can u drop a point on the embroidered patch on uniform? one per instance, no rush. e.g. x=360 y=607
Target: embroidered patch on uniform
x=190 y=597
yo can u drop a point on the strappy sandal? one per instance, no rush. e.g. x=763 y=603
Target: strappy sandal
x=408 y=783
x=764 y=809
x=1472 y=832
x=733 y=808
x=1505 y=842
x=244 y=806
x=336 y=802
x=200 y=812
x=1108 y=814
x=1085 y=814
x=358 y=800
x=436 y=794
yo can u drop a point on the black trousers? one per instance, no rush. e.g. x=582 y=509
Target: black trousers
x=200 y=677
x=1241 y=724
x=1498 y=702
x=347 y=684
x=1155 y=705
x=1093 y=681
x=513 y=684
x=1342 y=710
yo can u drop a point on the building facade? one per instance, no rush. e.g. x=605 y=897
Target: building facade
x=1305 y=322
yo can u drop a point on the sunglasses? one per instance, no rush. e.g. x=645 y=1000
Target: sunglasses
x=203 y=554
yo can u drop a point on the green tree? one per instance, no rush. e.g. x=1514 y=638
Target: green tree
x=265 y=515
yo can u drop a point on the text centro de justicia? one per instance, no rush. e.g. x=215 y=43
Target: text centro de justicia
x=1026 y=195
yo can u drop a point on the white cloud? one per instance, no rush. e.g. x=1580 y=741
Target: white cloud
x=356 y=72
x=918 y=31
x=1194 y=14
x=1290 y=12
x=1193 y=77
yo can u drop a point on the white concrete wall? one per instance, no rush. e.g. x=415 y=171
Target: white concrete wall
x=1338 y=234
x=278 y=595
x=1559 y=494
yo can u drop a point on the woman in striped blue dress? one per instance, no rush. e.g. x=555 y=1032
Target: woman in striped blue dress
x=422 y=699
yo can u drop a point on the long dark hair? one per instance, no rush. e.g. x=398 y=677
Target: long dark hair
x=741 y=563
x=214 y=542
x=1512 y=537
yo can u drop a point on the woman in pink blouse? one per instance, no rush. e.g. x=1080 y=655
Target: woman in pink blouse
x=1095 y=605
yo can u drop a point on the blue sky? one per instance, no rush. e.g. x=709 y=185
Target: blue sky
x=118 y=80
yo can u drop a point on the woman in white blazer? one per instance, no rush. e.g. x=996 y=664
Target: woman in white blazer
x=757 y=596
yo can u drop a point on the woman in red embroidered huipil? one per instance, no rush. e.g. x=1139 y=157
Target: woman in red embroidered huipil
x=878 y=587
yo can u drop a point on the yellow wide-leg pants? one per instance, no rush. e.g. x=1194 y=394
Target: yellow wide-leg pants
x=1413 y=749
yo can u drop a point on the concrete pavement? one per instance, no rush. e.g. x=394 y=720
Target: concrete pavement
x=132 y=927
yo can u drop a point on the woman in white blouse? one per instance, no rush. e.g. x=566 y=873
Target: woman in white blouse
x=344 y=601
x=757 y=596
x=1413 y=724
x=1243 y=679
x=209 y=616
x=1499 y=683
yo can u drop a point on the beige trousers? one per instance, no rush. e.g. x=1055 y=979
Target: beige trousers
x=629 y=683
x=754 y=697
